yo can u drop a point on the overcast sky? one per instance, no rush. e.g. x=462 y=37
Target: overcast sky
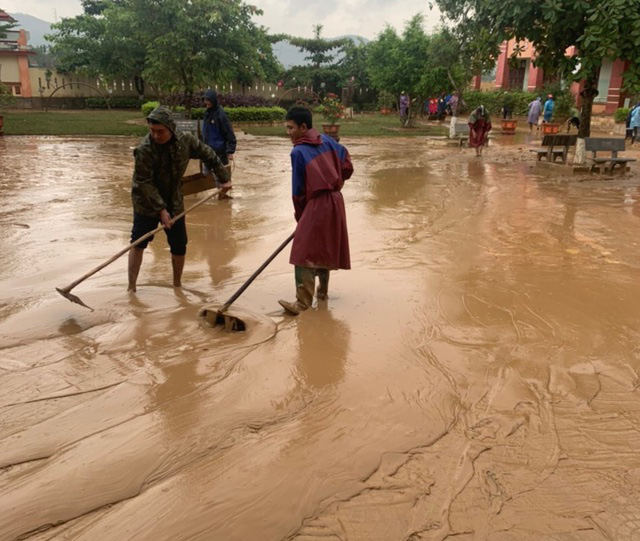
x=361 y=17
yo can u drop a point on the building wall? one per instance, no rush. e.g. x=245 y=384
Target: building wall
x=14 y=62
x=9 y=71
x=610 y=83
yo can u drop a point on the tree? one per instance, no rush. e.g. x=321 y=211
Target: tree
x=398 y=63
x=172 y=44
x=102 y=42
x=44 y=57
x=321 y=53
x=5 y=27
x=598 y=29
x=448 y=65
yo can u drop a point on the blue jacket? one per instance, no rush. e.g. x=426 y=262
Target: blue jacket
x=216 y=128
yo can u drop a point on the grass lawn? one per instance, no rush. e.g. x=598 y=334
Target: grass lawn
x=362 y=125
x=86 y=122
x=121 y=122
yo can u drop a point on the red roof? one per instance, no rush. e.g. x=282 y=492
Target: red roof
x=6 y=18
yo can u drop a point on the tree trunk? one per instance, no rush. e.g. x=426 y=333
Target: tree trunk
x=139 y=84
x=589 y=92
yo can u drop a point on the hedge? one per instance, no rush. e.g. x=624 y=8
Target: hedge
x=226 y=100
x=235 y=114
x=117 y=102
x=620 y=116
x=519 y=101
x=148 y=107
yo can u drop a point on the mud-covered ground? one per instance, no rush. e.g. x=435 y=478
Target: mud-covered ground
x=474 y=377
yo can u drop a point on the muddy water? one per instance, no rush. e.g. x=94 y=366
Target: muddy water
x=475 y=376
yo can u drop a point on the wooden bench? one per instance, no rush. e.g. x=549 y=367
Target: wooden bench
x=555 y=146
x=606 y=144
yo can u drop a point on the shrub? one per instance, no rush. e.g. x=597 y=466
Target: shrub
x=226 y=100
x=256 y=114
x=386 y=100
x=117 y=102
x=235 y=114
x=620 y=116
x=6 y=97
x=331 y=109
x=494 y=100
x=148 y=107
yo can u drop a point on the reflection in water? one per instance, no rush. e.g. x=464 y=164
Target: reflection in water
x=219 y=245
x=323 y=348
x=180 y=411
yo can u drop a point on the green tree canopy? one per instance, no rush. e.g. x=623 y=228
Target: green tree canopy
x=598 y=29
x=321 y=53
x=420 y=64
x=172 y=44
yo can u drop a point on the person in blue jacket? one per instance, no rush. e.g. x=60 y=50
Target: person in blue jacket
x=217 y=132
x=547 y=112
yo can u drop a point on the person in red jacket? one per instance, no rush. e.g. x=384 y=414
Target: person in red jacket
x=320 y=166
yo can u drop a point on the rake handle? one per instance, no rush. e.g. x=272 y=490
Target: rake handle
x=244 y=286
x=136 y=242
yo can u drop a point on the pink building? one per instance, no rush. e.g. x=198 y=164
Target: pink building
x=14 y=59
x=524 y=76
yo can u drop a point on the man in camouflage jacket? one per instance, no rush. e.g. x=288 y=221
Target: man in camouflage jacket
x=160 y=162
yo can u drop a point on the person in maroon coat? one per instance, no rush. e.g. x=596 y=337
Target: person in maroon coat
x=320 y=166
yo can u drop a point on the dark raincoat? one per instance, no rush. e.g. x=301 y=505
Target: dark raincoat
x=217 y=131
x=320 y=166
x=158 y=172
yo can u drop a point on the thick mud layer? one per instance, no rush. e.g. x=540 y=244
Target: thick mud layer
x=474 y=377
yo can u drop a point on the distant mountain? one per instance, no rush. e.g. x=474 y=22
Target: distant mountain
x=286 y=53
x=37 y=28
x=290 y=56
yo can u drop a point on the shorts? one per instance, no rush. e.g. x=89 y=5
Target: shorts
x=176 y=236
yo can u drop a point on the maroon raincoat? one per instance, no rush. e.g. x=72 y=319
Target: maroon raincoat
x=320 y=166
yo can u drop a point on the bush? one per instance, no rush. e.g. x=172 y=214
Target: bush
x=226 y=100
x=256 y=114
x=148 y=107
x=495 y=99
x=235 y=114
x=620 y=116
x=117 y=102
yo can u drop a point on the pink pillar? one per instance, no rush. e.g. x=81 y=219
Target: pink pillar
x=23 y=65
x=615 y=87
x=502 y=71
x=536 y=77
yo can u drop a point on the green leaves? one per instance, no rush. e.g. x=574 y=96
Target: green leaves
x=174 y=45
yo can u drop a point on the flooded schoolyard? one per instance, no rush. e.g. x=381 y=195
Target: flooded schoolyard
x=473 y=377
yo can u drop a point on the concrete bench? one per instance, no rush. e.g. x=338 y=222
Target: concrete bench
x=461 y=131
x=606 y=144
x=555 y=146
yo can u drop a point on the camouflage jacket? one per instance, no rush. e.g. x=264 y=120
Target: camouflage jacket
x=157 y=177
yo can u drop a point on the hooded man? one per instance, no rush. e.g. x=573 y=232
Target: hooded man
x=217 y=132
x=156 y=190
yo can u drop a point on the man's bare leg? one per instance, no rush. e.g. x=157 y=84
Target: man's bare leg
x=135 y=262
x=177 y=263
